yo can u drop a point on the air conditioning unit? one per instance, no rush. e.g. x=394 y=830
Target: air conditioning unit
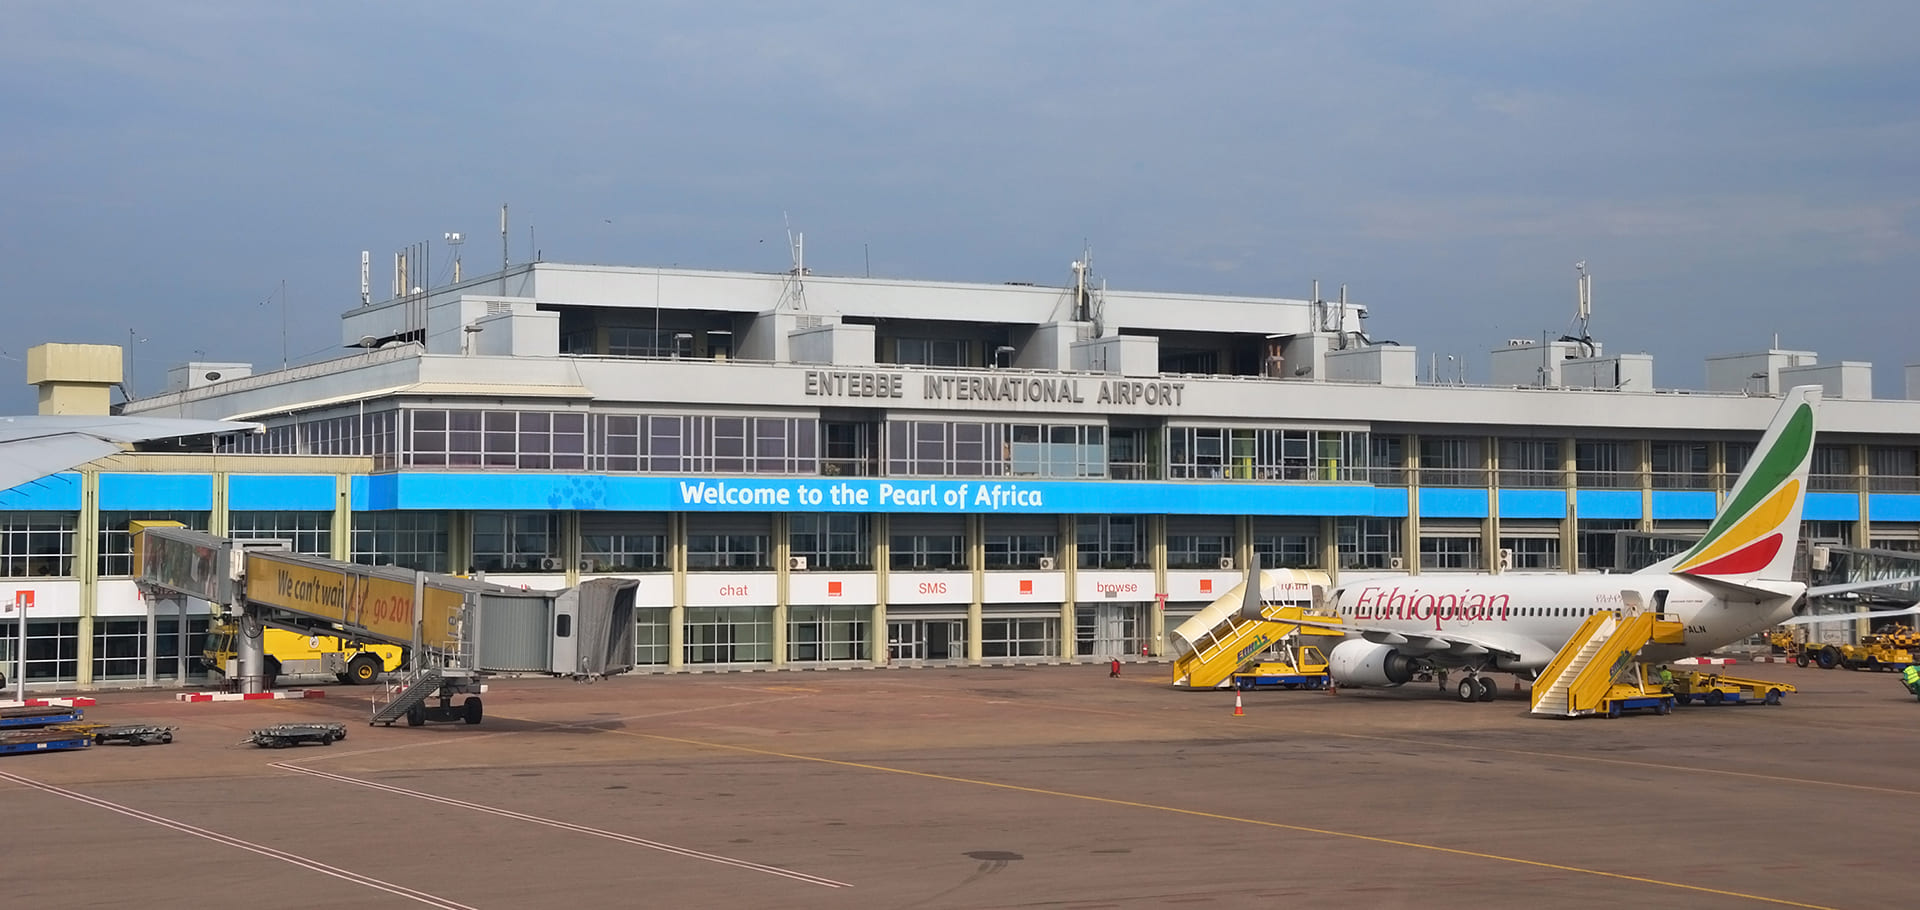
x=796 y=563
x=1226 y=562
x=1046 y=563
x=588 y=565
x=550 y=564
x=1821 y=558
x=1396 y=563
x=1506 y=559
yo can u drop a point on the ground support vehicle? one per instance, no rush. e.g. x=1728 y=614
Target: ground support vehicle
x=1633 y=696
x=282 y=736
x=1718 y=689
x=132 y=734
x=293 y=652
x=1293 y=667
x=31 y=718
x=25 y=730
x=49 y=740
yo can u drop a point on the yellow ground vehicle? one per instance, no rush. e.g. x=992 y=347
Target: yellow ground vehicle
x=1718 y=689
x=1288 y=666
x=1892 y=649
x=298 y=654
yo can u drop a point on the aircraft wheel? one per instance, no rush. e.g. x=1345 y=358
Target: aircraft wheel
x=1468 y=690
x=1488 y=688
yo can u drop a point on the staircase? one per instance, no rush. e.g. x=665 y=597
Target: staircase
x=1237 y=640
x=420 y=685
x=1553 y=689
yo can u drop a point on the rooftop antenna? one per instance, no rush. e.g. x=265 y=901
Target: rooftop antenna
x=796 y=291
x=504 y=260
x=1584 y=286
x=1082 y=298
x=454 y=240
x=366 y=277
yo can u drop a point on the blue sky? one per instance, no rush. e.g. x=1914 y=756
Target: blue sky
x=1729 y=170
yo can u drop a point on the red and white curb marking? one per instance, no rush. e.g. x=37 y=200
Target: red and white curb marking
x=250 y=696
x=49 y=703
x=1705 y=661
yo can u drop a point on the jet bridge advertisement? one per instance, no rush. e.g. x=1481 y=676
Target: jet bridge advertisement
x=381 y=606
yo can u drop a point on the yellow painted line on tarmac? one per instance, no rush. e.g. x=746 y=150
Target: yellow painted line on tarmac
x=1195 y=813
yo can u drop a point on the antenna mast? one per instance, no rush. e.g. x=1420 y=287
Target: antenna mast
x=1584 y=286
x=796 y=290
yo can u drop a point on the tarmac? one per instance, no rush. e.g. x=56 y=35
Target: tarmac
x=1053 y=787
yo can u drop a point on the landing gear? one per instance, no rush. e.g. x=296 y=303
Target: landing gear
x=1469 y=688
x=1488 y=688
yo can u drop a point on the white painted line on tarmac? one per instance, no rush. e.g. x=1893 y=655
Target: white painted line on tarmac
x=569 y=826
x=228 y=840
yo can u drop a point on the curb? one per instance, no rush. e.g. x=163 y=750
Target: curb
x=1705 y=661
x=49 y=703
x=254 y=696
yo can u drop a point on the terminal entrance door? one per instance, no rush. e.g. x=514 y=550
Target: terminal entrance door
x=1106 y=630
x=927 y=639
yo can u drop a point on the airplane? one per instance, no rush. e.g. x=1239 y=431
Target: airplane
x=1735 y=581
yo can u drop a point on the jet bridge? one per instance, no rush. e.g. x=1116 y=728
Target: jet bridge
x=454 y=630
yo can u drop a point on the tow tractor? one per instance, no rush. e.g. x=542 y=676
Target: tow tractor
x=1891 y=649
x=1286 y=666
x=1715 y=689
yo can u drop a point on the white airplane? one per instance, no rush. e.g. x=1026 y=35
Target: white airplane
x=1737 y=580
x=35 y=446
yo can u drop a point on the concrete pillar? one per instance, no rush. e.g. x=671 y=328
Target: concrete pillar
x=1410 y=532
x=86 y=565
x=1490 y=529
x=1156 y=625
x=977 y=561
x=882 y=564
x=782 y=580
x=1069 y=561
x=340 y=542
x=677 y=613
x=1570 y=528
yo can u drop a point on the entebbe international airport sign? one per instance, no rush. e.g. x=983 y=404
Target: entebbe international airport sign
x=1004 y=388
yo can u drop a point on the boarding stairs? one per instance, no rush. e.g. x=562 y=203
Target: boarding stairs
x=1236 y=640
x=1600 y=656
x=410 y=693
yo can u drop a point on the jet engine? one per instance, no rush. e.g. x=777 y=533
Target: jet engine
x=1362 y=663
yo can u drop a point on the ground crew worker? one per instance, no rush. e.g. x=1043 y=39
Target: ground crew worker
x=1115 y=671
x=1666 y=678
x=1911 y=676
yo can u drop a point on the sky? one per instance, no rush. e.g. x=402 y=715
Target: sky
x=1729 y=171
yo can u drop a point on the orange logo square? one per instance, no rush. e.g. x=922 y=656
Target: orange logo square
x=1206 y=586
x=1026 y=586
x=833 y=589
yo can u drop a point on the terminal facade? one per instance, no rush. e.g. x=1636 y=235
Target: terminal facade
x=816 y=471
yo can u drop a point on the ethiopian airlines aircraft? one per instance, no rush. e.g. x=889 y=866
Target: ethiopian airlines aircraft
x=1735 y=581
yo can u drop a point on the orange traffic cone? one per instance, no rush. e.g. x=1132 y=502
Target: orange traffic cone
x=1237 y=710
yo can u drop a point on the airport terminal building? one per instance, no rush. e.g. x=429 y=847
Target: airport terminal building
x=810 y=471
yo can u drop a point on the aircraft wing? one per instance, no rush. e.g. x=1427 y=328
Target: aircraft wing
x=34 y=447
x=1453 y=643
x=1863 y=585
x=1850 y=617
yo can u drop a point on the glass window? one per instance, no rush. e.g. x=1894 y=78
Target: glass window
x=1112 y=541
x=410 y=540
x=116 y=542
x=651 y=640
x=1447 y=461
x=1013 y=638
x=1198 y=551
x=1598 y=538
x=1287 y=545
x=1450 y=554
x=1606 y=465
x=729 y=635
x=1530 y=463
x=516 y=542
x=1532 y=554
x=832 y=540
x=928 y=551
x=1368 y=543
x=1680 y=466
x=36 y=544
x=623 y=542
x=827 y=633
x=309 y=533
x=728 y=551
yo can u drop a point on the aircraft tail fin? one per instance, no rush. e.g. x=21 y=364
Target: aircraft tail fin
x=1756 y=534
